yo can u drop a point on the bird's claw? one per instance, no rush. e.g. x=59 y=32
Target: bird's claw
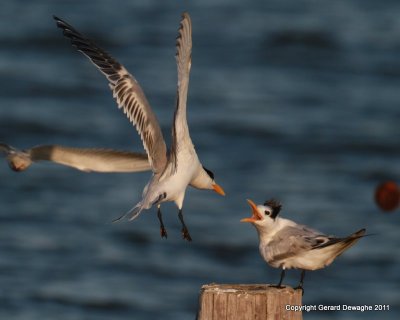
x=186 y=235
x=163 y=233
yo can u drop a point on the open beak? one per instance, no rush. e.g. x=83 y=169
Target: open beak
x=218 y=189
x=255 y=214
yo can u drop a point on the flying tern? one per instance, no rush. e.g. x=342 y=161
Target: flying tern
x=174 y=170
x=286 y=244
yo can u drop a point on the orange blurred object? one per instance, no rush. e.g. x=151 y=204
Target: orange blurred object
x=387 y=196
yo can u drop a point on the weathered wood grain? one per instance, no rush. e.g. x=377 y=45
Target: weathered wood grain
x=247 y=302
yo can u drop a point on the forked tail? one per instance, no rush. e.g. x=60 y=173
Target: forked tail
x=131 y=214
x=353 y=238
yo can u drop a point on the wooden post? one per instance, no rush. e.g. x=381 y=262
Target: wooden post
x=248 y=302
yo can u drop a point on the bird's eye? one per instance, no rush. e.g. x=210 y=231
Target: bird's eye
x=267 y=212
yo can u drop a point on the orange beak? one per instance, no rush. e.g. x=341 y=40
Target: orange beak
x=218 y=189
x=256 y=215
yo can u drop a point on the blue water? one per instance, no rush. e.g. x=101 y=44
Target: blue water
x=298 y=100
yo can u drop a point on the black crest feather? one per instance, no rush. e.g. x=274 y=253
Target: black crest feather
x=275 y=206
x=209 y=172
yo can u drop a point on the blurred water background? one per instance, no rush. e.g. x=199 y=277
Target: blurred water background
x=298 y=100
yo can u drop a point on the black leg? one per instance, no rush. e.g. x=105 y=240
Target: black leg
x=160 y=198
x=282 y=276
x=279 y=285
x=300 y=286
x=185 y=231
x=163 y=231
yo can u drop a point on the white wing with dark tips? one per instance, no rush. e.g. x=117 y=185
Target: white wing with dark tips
x=128 y=94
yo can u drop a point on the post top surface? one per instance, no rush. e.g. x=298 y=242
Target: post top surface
x=245 y=288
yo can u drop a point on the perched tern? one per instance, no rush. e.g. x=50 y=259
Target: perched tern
x=84 y=159
x=173 y=171
x=286 y=244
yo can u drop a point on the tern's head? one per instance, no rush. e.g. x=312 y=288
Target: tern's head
x=212 y=184
x=19 y=160
x=205 y=180
x=263 y=215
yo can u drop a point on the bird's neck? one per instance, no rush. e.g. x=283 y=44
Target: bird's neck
x=267 y=231
x=201 y=180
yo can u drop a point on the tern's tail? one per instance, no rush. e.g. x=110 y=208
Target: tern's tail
x=352 y=239
x=336 y=246
x=132 y=213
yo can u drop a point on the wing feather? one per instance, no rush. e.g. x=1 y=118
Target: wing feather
x=290 y=241
x=84 y=159
x=180 y=130
x=128 y=94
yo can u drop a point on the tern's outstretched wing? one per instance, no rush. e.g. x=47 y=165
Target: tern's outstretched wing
x=128 y=94
x=180 y=130
x=84 y=159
